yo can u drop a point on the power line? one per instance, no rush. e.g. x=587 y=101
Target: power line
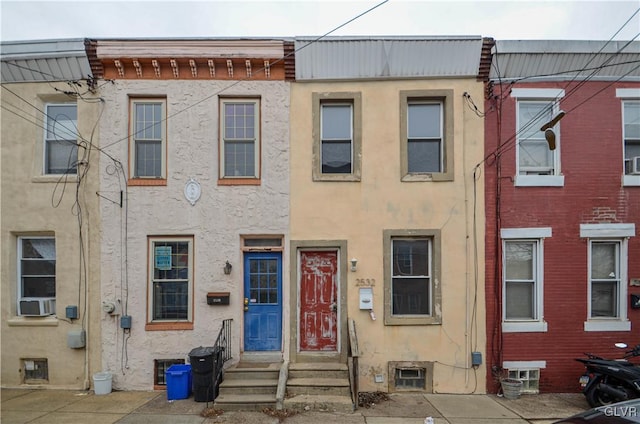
x=261 y=69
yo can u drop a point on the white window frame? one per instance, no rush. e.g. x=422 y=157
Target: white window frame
x=20 y=289
x=434 y=316
x=256 y=139
x=440 y=138
x=134 y=139
x=324 y=140
x=549 y=95
x=536 y=235
x=150 y=293
x=446 y=100
x=627 y=95
x=61 y=133
x=618 y=233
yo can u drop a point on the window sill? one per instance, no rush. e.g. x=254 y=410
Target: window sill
x=23 y=321
x=631 y=180
x=524 y=327
x=336 y=177
x=434 y=177
x=54 y=178
x=147 y=182
x=168 y=326
x=607 y=325
x=407 y=320
x=539 y=180
x=238 y=181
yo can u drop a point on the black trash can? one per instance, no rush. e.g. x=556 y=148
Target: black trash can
x=202 y=366
x=206 y=365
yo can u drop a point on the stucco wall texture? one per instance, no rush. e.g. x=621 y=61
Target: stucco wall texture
x=358 y=212
x=38 y=205
x=216 y=221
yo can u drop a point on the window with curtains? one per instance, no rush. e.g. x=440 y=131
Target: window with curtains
x=604 y=279
x=36 y=275
x=61 y=139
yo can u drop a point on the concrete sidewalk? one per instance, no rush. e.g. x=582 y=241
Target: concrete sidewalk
x=134 y=407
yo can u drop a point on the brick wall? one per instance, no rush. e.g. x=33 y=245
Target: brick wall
x=591 y=162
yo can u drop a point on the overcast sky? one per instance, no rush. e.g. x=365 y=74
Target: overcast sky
x=505 y=20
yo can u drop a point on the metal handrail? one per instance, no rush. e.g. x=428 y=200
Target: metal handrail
x=222 y=352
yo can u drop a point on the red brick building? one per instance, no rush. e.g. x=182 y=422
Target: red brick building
x=563 y=224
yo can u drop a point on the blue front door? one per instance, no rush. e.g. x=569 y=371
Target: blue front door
x=263 y=301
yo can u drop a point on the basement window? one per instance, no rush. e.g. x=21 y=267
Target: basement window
x=410 y=376
x=161 y=367
x=36 y=371
x=530 y=379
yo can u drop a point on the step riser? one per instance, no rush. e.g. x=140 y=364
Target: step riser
x=244 y=406
x=318 y=374
x=267 y=390
x=232 y=374
x=318 y=390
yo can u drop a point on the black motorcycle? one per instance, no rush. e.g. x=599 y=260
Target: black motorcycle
x=608 y=381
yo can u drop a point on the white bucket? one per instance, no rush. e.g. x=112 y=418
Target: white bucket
x=102 y=383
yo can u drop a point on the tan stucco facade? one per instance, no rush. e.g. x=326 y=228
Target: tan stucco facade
x=362 y=213
x=37 y=205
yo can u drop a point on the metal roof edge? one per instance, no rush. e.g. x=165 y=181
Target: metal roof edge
x=11 y=50
x=321 y=38
x=565 y=46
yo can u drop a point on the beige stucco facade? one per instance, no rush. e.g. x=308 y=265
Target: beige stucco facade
x=56 y=206
x=361 y=214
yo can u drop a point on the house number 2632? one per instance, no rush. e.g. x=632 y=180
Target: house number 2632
x=365 y=282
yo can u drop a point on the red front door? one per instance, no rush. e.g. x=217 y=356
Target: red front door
x=318 y=301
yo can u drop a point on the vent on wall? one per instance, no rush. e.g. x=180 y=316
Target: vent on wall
x=36 y=370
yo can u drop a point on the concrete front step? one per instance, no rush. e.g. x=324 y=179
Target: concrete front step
x=247 y=372
x=245 y=402
x=318 y=386
x=246 y=386
x=318 y=370
x=324 y=403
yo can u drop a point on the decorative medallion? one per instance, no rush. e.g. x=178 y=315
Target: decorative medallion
x=192 y=191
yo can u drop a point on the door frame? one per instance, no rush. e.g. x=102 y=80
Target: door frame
x=340 y=246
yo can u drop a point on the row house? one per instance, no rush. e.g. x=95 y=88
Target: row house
x=562 y=167
x=50 y=233
x=317 y=200
x=194 y=200
x=387 y=215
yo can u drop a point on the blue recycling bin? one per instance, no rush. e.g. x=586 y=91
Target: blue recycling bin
x=178 y=379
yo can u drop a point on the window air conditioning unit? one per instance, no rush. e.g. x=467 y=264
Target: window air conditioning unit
x=37 y=307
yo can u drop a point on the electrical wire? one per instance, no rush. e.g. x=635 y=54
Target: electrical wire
x=248 y=78
x=497 y=335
